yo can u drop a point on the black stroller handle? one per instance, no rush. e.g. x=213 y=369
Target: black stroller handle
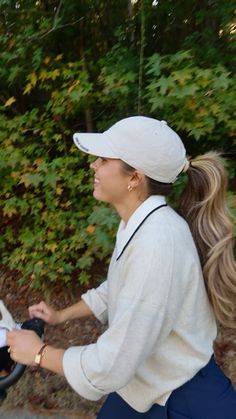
x=17 y=370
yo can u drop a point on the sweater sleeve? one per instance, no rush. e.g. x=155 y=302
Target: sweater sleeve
x=96 y=299
x=138 y=323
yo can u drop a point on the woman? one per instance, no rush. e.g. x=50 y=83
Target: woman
x=163 y=294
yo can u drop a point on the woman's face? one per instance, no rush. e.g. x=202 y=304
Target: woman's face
x=110 y=181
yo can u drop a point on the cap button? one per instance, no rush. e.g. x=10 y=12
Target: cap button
x=164 y=122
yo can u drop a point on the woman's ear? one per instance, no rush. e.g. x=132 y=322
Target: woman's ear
x=137 y=179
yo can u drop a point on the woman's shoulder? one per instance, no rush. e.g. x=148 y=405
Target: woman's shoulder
x=166 y=230
x=169 y=221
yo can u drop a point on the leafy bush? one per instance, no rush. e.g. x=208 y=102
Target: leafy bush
x=62 y=71
x=46 y=187
x=197 y=101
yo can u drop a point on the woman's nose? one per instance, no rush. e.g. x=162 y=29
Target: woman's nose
x=94 y=164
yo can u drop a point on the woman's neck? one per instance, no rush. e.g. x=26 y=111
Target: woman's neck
x=128 y=207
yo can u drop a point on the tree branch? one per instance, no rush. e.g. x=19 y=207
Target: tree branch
x=55 y=28
x=55 y=25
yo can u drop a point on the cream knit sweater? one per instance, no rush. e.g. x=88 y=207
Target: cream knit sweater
x=160 y=325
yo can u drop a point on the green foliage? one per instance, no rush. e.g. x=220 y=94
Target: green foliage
x=75 y=66
x=117 y=81
x=197 y=101
x=45 y=186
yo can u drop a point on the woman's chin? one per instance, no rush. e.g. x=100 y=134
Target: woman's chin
x=99 y=196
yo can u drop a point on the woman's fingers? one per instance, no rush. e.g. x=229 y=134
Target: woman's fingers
x=23 y=346
x=44 y=312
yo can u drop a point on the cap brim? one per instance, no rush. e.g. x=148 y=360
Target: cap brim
x=94 y=144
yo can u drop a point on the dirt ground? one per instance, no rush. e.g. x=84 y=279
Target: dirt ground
x=42 y=392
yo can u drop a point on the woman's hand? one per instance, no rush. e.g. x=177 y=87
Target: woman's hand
x=45 y=312
x=23 y=346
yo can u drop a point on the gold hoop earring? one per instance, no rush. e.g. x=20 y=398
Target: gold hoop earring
x=130 y=188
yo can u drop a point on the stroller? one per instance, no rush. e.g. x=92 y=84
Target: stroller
x=11 y=372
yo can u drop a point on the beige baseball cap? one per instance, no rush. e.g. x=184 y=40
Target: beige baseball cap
x=144 y=143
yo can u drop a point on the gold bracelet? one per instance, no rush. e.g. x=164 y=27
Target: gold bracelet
x=39 y=356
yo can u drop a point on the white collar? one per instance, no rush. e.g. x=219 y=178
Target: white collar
x=125 y=232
